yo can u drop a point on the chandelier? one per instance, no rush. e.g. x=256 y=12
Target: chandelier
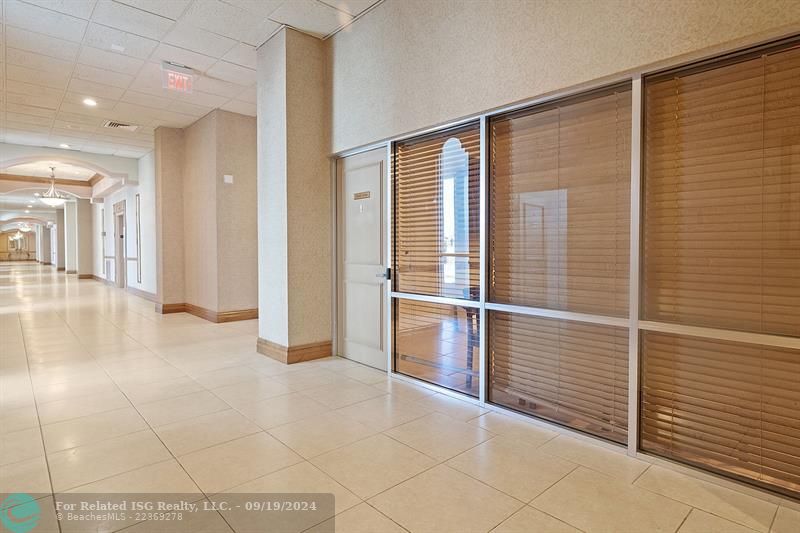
x=52 y=197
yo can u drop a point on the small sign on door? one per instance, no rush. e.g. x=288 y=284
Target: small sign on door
x=363 y=195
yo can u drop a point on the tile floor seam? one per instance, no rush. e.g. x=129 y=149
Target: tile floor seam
x=41 y=432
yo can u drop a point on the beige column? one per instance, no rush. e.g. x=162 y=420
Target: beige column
x=60 y=257
x=44 y=246
x=71 y=237
x=169 y=148
x=85 y=243
x=294 y=199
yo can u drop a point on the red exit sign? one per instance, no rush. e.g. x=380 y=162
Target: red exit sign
x=176 y=78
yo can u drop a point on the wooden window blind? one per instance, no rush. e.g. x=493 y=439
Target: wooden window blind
x=729 y=406
x=572 y=373
x=559 y=232
x=438 y=343
x=722 y=196
x=437 y=213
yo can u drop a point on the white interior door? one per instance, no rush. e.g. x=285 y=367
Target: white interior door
x=362 y=262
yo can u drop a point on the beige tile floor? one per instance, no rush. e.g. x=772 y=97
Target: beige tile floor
x=98 y=393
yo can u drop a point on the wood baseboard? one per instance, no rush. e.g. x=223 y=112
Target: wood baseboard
x=294 y=354
x=71 y=271
x=60 y=269
x=208 y=314
x=166 y=309
x=102 y=280
x=86 y=276
x=142 y=294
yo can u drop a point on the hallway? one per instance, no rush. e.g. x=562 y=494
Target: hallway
x=102 y=395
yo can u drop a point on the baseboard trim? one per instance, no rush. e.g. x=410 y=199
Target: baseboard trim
x=166 y=309
x=86 y=276
x=142 y=294
x=71 y=271
x=102 y=280
x=60 y=269
x=208 y=314
x=294 y=354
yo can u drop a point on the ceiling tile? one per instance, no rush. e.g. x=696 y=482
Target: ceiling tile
x=166 y=8
x=230 y=21
x=77 y=99
x=132 y=153
x=31 y=110
x=149 y=100
x=248 y=95
x=130 y=19
x=80 y=109
x=72 y=128
x=354 y=7
x=36 y=77
x=28 y=119
x=218 y=87
x=167 y=52
x=95 y=89
x=243 y=108
x=74 y=118
x=104 y=38
x=202 y=99
x=46 y=64
x=76 y=8
x=242 y=54
x=113 y=61
x=260 y=8
x=233 y=73
x=311 y=17
x=200 y=41
x=41 y=44
x=98 y=75
x=41 y=100
x=35 y=18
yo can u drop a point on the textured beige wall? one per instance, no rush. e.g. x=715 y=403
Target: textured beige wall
x=294 y=191
x=71 y=237
x=169 y=148
x=85 y=244
x=200 y=213
x=237 y=257
x=412 y=64
x=273 y=297
x=309 y=191
x=60 y=256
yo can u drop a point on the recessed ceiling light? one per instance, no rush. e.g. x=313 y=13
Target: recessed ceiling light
x=27 y=211
x=62 y=145
x=117 y=47
x=90 y=102
x=30 y=206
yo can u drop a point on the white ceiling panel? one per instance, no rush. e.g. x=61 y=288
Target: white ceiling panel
x=218 y=87
x=354 y=7
x=76 y=8
x=34 y=18
x=233 y=73
x=106 y=38
x=131 y=20
x=260 y=8
x=166 y=8
x=230 y=21
x=167 y=52
x=56 y=53
x=201 y=41
x=36 y=77
x=106 y=77
x=92 y=89
x=244 y=108
x=41 y=44
x=311 y=16
x=56 y=67
x=242 y=54
x=94 y=57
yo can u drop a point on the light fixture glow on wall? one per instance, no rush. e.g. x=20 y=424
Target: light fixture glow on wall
x=64 y=145
x=52 y=196
x=91 y=102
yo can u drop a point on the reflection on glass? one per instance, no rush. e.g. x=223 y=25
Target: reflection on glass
x=572 y=373
x=437 y=343
x=437 y=184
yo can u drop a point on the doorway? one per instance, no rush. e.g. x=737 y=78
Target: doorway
x=361 y=252
x=120 y=261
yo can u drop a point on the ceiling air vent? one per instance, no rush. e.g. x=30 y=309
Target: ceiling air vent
x=120 y=125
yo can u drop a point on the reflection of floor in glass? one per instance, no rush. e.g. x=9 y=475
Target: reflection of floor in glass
x=440 y=354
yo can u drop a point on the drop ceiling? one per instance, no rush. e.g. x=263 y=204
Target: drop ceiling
x=56 y=53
